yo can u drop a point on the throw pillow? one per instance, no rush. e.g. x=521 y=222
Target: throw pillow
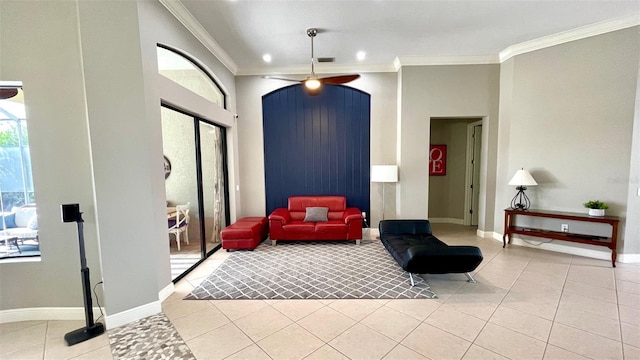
x=33 y=223
x=8 y=220
x=316 y=214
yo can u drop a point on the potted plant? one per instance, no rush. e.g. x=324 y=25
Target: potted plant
x=596 y=207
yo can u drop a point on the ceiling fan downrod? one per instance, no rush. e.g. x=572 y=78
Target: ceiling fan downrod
x=312 y=83
x=312 y=32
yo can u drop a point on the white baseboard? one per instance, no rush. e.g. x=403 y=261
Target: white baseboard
x=131 y=315
x=629 y=258
x=77 y=313
x=45 y=313
x=446 y=221
x=485 y=234
x=598 y=252
x=166 y=292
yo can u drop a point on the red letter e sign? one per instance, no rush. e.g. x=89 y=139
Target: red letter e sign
x=438 y=160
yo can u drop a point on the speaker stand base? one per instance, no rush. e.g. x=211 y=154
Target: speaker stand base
x=84 y=334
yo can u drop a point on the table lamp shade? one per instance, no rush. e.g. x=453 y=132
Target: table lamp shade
x=384 y=173
x=522 y=178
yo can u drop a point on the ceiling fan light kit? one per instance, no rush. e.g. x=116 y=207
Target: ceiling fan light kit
x=313 y=83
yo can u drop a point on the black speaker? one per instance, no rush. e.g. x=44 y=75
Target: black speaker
x=70 y=212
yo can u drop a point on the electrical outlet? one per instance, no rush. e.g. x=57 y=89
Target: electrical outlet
x=564 y=227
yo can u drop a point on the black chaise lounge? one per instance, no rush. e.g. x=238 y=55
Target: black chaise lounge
x=417 y=251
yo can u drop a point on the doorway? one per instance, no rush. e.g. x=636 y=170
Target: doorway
x=474 y=160
x=450 y=195
x=196 y=188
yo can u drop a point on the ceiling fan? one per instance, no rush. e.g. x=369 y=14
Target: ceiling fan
x=313 y=83
x=8 y=92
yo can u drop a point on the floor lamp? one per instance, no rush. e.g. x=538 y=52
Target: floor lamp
x=384 y=174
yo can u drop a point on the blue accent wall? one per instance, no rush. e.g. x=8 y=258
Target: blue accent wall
x=316 y=145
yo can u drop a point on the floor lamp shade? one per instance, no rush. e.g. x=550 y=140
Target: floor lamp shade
x=384 y=173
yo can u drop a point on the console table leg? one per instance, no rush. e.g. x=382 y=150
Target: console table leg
x=507 y=224
x=614 y=254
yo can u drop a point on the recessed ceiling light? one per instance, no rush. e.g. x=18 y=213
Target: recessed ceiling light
x=361 y=55
x=266 y=58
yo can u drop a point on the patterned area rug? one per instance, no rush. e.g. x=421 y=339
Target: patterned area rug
x=147 y=339
x=311 y=270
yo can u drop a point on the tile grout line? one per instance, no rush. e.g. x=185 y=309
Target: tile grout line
x=555 y=314
x=496 y=309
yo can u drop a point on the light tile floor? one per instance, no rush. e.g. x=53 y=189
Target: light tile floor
x=527 y=304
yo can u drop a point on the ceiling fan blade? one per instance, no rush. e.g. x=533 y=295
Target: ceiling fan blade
x=8 y=93
x=337 y=80
x=283 y=79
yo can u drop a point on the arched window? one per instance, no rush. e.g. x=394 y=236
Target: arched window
x=185 y=72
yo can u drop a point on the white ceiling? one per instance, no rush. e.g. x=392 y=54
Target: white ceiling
x=414 y=31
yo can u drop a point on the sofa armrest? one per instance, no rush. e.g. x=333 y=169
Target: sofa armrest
x=351 y=214
x=280 y=214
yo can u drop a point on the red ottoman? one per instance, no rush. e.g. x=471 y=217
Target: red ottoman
x=245 y=233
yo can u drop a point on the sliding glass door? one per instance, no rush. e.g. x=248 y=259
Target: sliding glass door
x=196 y=187
x=214 y=189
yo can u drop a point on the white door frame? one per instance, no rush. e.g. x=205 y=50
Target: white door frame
x=469 y=172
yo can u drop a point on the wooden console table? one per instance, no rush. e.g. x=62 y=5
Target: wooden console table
x=610 y=242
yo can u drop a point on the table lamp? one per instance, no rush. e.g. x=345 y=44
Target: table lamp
x=521 y=180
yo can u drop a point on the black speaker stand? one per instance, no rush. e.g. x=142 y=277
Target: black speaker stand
x=91 y=329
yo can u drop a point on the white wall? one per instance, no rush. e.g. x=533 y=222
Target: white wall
x=445 y=91
x=122 y=157
x=632 y=229
x=250 y=89
x=567 y=115
x=47 y=59
x=157 y=25
x=93 y=97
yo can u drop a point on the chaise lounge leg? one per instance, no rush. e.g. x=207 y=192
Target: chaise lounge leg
x=273 y=242
x=358 y=242
x=411 y=278
x=470 y=278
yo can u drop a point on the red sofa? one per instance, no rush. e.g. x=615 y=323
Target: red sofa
x=343 y=223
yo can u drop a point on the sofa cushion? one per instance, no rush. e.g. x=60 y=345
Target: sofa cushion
x=416 y=250
x=316 y=214
x=24 y=215
x=300 y=226
x=19 y=232
x=332 y=226
x=33 y=223
x=8 y=221
x=301 y=203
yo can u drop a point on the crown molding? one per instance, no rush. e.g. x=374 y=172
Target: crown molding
x=177 y=9
x=190 y=23
x=318 y=68
x=445 y=60
x=568 y=36
x=397 y=65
